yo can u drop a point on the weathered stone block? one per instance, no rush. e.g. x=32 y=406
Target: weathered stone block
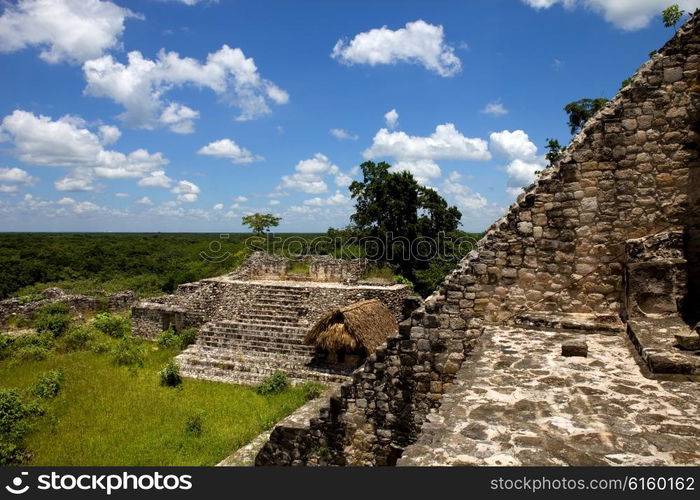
x=574 y=348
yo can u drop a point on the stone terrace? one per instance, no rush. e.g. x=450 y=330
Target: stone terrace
x=518 y=401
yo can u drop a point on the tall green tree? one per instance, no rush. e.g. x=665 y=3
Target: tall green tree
x=672 y=15
x=259 y=223
x=394 y=202
x=581 y=111
x=395 y=209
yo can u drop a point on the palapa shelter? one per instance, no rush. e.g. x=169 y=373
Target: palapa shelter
x=350 y=334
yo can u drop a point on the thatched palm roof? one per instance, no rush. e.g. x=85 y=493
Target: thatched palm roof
x=365 y=324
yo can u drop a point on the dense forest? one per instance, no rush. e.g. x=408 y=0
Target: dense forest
x=150 y=264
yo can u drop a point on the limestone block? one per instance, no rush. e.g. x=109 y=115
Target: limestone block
x=688 y=342
x=574 y=348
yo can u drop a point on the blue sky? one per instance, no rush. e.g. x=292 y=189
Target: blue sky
x=185 y=115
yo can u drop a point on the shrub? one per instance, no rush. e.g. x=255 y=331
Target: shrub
x=194 y=425
x=168 y=339
x=31 y=353
x=43 y=340
x=170 y=375
x=274 y=384
x=54 y=323
x=79 y=337
x=13 y=427
x=54 y=308
x=188 y=337
x=312 y=390
x=47 y=385
x=12 y=415
x=100 y=347
x=404 y=281
x=112 y=325
x=5 y=346
x=15 y=321
x=128 y=352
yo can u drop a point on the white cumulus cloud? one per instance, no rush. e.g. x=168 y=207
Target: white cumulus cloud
x=39 y=140
x=418 y=155
x=140 y=86
x=156 y=179
x=16 y=175
x=626 y=14
x=186 y=191
x=445 y=143
x=466 y=198
x=392 y=119
x=522 y=154
x=512 y=145
x=343 y=134
x=495 y=109
x=65 y=30
x=227 y=148
x=418 y=42
x=309 y=175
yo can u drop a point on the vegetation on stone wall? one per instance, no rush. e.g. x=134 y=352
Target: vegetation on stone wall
x=579 y=112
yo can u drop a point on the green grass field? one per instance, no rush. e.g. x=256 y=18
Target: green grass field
x=110 y=415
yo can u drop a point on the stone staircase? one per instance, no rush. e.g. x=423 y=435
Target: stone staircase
x=257 y=341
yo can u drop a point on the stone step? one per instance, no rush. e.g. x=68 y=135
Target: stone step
x=204 y=352
x=279 y=299
x=295 y=338
x=234 y=326
x=253 y=342
x=285 y=290
x=200 y=354
x=248 y=376
x=282 y=308
x=292 y=297
x=254 y=346
x=584 y=322
x=267 y=318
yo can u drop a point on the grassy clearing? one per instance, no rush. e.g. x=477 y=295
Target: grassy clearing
x=114 y=415
x=296 y=267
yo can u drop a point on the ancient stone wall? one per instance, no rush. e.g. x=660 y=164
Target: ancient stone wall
x=326 y=268
x=78 y=304
x=323 y=268
x=559 y=249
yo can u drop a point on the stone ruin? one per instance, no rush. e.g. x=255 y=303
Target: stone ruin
x=252 y=322
x=79 y=304
x=603 y=250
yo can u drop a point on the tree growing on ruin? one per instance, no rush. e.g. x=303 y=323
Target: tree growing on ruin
x=672 y=15
x=259 y=223
x=581 y=111
x=554 y=150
